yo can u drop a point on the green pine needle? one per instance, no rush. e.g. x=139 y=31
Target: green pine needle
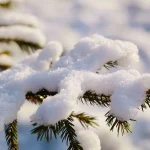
x=64 y=128
x=85 y=119
x=17 y=24
x=147 y=101
x=46 y=132
x=11 y=135
x=122 y=126
x=94 y=99
x=4 y=67
x=111 y=64
x=6 y=52
x=25 y=46
x=68 y=134
x=7 y=4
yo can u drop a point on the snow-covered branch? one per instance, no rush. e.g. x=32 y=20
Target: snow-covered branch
x=65 y=81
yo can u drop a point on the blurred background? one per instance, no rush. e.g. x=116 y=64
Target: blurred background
x=69 y=20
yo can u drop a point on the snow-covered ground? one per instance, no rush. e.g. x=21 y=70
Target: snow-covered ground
x=67 y=21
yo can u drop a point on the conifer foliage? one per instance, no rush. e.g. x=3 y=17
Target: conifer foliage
x=15 y=28
x=12 y=135
x=18 y=32
x=6 y=3
x=96 y=72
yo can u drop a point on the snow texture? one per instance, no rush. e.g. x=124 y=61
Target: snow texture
x=89 y=140
x=71 y=76
x=91 y=53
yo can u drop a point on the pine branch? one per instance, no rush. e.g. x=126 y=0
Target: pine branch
x=47 y=132
x=95 y=99
x=38 y=97
x=88 y=97
x=16 y=24
x=34 y=98
x=111 y=64
x=25 y=46
x=4 y=67
x=147 y=101
x=11 y=135
x=68 y=134
x=5 y=53
x=122 y=126
x=85 y=119
x=6 y=4
x=64 y=128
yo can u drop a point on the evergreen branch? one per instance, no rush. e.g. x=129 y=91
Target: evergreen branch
x=11 y=135
x=25 y=46
x=5 y=53
x=4 y=66
x=16 y=24
x=43 y=92
x=111 y=64
x=147 y=101
x=6 y=4
x=68 y=134
x=122 y=126
x=38 y=97
x=95 y=99
x=85 y=120
x=47 y=132
x=64 y=128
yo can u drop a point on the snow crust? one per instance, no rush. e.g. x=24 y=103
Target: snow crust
x=71 y=76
